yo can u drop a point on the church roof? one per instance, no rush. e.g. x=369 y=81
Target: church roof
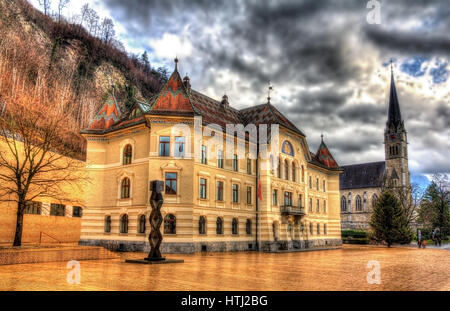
x=394 y=115
x=366 y=175
x=324 y=156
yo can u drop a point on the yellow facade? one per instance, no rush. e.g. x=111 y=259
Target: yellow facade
x=271 y=227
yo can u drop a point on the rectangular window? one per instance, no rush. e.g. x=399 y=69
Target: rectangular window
x=235 y=193
x=57 y=210
x=317 y=184
x=310 y=182
x=33 y=208
x=310 y=205
x=324 y=186
x=179 y=147
x=171 y=183
x=249 y=195
x=203 y=154
x=287 y=198
x=300 y=201
x=219 y=195
x=202 y=188
x=318 y=206
x=275 y=197
x=249 y=166
x=77 y=211
x=324 y=206
x=235 y=162
x=164 y=146
x=220 y=159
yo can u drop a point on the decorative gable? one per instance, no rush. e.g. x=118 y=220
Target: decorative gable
x=107 y=116
x=173 y=97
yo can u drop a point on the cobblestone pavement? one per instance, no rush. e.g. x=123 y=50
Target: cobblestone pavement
x=343 y=269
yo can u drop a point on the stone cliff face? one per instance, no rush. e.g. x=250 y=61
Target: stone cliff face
x=45 y=50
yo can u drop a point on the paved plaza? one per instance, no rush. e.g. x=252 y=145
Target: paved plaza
x=343 y=269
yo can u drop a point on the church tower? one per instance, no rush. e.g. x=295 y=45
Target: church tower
x=395 y=141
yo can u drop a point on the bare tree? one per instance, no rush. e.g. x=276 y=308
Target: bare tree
x=62 y=4
x=37 y=147
x=107 y=30
x=84 y=13
x=45 y=5
x=409 y=196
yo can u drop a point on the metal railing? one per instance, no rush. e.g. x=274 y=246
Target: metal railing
x=292 y=210
x=40 y=237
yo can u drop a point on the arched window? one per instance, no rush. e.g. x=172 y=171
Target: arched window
x=279 y=168
x=202 y=225
x=248 y=226
x=374 y=200
x=124 y=223
x=141 y=224
x=286 y=169
x=234 y=227
x=127 y=154
x=358 y=204
x=303 y=174
x=125 y=188
x=170 y=224
x=107 y=224
x=294 y=173
x=343 y=204
x=219 y=225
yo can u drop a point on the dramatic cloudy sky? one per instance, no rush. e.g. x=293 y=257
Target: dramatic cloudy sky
x=328 y=65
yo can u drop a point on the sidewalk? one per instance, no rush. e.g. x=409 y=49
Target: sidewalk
x=445 y=246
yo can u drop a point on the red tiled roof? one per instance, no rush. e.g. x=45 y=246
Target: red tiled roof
x=173 y=97
x=267 y=114
x=324 y=156
x=107 y=116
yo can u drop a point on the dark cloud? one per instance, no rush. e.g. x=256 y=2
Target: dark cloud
x=403 y=42
x=321 y=55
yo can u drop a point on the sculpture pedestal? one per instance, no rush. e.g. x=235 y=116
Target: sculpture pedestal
x=154 y=262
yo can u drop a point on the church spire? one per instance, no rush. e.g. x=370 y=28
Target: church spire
x=394 y=115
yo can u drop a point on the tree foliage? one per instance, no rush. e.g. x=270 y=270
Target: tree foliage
x=389 y=222
x=434 y=208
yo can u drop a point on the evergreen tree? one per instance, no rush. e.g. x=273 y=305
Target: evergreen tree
x=389 y=222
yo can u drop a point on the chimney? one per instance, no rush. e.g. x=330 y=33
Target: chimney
x=187 y=83
x=224 y=102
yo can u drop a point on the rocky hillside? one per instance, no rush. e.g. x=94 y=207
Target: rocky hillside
x=64 y=57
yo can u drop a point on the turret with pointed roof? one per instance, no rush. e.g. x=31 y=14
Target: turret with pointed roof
x=395 y=140
x=394 y=115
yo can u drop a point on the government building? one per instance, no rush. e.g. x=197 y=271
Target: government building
x=218 y=200
x=361 y=184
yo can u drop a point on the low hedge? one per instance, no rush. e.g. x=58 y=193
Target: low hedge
x=350 y=240
x=354 y=234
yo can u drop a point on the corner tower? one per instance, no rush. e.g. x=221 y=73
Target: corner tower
x=396 y=142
